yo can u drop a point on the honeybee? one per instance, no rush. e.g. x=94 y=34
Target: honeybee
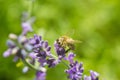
x=67 y=42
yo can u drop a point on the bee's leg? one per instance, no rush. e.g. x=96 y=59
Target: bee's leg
x=67 y=50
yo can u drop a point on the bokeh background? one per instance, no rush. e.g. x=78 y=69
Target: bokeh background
x=94 y=22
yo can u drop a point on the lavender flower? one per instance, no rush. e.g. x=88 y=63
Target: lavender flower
x=75 y=71
x=41 y=49
x=19 y=45
x=40 y=75
x=32 y=55
x=11 y=46
x=52 y=62
x=13 y=49
x=7 y=53
x=26 y=27
x=59 y=50
x=87 y=77
x=36 y=54
x=70 y=57
x=93 y=76
x=27 y=24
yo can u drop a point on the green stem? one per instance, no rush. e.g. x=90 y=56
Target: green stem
x=30 y=8
x=54 y=56
x=28 y=64
x=65 y=64
x=32 y=66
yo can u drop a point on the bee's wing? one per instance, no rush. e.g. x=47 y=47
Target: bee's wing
x=77 y=41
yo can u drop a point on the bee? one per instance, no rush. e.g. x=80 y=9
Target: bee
x=67 y=42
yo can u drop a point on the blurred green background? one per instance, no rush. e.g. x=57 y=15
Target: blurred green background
x=94 y=22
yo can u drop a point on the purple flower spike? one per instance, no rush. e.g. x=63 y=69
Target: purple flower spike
x=70 y=57
x=42 y=61
x=26 y=27
x=59 y=50
x=32 y=55
x=45 y=44
x=37 y=39
x=87 y=77
x=52 y=62
x=27 y=24
x=94 y=75
x=48 y=48
x=42 y=51
x=40 y=75
x=75 y=72
x=40 y=47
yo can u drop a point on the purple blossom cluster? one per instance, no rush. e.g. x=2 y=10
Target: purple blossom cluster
x=42 y=51
x=36 y=54
x=59 y=50
x=93 y=76
x=75 y=69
